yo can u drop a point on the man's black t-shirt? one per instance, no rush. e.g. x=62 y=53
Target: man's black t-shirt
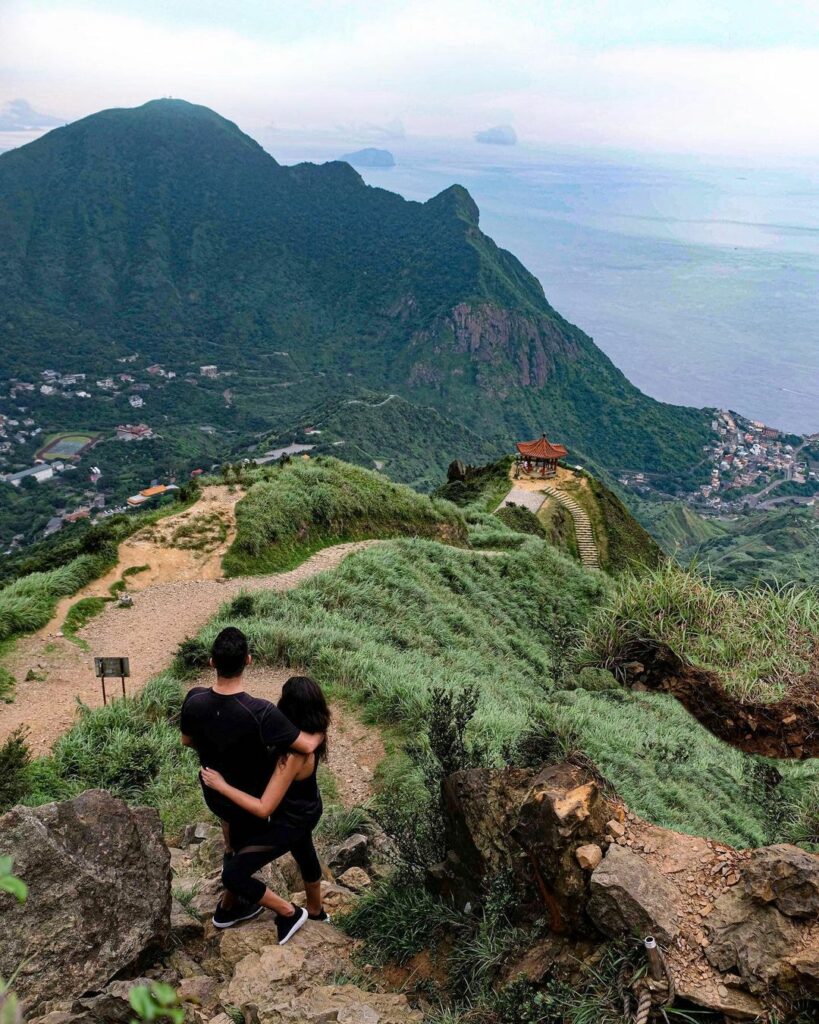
x=238 y=735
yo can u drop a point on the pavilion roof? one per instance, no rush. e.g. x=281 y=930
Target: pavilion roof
x=541 y=449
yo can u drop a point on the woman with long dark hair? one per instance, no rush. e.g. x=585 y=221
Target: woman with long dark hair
x=287 y=812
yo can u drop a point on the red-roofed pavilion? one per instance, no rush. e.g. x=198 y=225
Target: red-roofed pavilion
x=540 y=455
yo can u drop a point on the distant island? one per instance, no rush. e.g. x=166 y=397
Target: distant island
x=370 y=157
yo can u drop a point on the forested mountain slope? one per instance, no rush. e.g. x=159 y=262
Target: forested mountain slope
x=165 y=230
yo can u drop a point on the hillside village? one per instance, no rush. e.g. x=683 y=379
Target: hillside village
x=751 y=464
x=748 y=461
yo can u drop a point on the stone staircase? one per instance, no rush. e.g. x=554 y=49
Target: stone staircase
x=587 y=546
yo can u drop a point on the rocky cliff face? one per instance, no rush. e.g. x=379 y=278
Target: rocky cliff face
x=502 y=348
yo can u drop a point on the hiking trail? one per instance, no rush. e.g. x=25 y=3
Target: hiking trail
x=174 y=598
x=533 y=492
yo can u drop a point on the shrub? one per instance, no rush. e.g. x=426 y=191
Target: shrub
x=15 y=758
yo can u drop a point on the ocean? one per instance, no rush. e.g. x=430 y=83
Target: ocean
x=700 y=283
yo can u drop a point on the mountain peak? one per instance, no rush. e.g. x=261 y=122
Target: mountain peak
x=456 y=199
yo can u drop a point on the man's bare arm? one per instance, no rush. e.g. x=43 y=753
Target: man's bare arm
x=307 y=742
x=186 y=741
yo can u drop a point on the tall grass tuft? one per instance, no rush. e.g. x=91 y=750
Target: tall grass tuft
x=759 y=640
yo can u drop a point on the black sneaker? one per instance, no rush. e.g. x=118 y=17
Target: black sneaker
x=322 y=916
x=240 y=911
x=288 y=926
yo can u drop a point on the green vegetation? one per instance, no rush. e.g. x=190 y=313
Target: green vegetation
x=396 y=624
x=80 y=614
x=15 y=758
x=760 y=641
x=412 y=444
x=368 y=292
x=157 y=1001
x=32 y=582
x=772 y=547
x=7 y=683
x=28 y=603
x=131 y=748
x=621 y=540
x=201 y=533
x=294 y=509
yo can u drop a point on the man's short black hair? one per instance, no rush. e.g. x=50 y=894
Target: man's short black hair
x=229 y=652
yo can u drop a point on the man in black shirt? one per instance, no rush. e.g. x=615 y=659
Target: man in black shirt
x=241 y=737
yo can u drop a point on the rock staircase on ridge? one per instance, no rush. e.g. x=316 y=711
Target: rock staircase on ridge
x=587 y=546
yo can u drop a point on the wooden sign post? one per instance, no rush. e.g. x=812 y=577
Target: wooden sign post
x=111 y=668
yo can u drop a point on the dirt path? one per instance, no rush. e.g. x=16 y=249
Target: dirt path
x=164 y=613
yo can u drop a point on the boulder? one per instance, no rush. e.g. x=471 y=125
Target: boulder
x=200 y=990
x=629 y=896
x=709 y=992
x=259 y=977
x=335 y=898
x=110 y=1006
x=802 y=968
x=352 y=853
x=750 y=938
x=563 y=809
x=99 y=880
x=356 y=879
x=786 y=877
x=588 y=856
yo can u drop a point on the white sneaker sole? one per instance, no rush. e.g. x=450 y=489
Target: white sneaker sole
x=295 y=927
x=229 y=924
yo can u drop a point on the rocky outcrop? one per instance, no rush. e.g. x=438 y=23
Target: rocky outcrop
x=631 y=897
x=740 y=929
x=529 y=824
x=99 y=881
x=758 y=928
x=507 y=347
x=785 y=876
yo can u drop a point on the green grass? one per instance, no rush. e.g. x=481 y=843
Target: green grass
x=28 y=603
x=7 y=685
x=80 y=614
x=394 y=623
x=131 y=748
x=293 y=510
x=760 y=640
x=59 y=567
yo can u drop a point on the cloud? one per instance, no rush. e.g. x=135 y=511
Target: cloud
x=500 y=135
x=19 y=116
x=432 y=68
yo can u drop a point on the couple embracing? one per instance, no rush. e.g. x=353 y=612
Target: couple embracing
x=259 y=763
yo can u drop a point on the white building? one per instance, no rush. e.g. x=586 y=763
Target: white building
x=39 y=473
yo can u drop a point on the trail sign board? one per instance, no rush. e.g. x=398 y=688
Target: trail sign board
x=114 y=667
x=111 y=668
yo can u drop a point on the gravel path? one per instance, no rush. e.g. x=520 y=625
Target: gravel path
x=149 y=634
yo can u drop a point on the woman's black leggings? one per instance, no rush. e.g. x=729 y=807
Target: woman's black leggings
x=252 y=853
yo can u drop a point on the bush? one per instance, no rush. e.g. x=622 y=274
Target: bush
x=15 y=758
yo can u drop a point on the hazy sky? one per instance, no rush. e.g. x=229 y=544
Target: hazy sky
x=737 y=78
